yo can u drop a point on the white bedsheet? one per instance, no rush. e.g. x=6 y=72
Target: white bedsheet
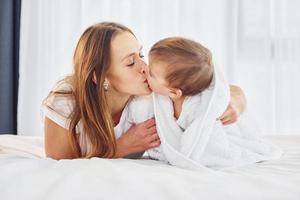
x=26 y=174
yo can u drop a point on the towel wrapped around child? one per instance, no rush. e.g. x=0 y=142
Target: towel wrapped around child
x=197 y=140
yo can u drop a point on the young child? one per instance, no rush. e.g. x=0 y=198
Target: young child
x=189 y=95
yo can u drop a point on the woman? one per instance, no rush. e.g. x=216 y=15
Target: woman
x=85 y=112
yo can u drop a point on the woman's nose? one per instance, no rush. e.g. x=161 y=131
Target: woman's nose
x=143 y=66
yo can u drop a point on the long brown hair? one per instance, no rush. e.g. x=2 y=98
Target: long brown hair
x=189 y=64
x=92 y=58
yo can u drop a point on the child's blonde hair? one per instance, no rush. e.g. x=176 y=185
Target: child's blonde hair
x=189 y=64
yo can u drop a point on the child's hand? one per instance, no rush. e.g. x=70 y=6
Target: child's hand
x=236 y=106
x=230 y=115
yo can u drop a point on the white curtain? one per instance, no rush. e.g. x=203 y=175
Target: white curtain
x=267 y=62
x=256 y=42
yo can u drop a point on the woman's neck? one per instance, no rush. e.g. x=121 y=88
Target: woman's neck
x=116 y=103
x=177 y=106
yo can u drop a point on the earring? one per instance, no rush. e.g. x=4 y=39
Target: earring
x=105 y=85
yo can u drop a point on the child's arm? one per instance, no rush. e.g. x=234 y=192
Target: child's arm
x=140 y=109
x=142 y=128
x=236 y=106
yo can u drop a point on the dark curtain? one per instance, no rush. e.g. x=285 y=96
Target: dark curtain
x=9 y=64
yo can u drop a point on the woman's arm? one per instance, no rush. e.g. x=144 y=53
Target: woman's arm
x=57 y=145
x=138 y=138
x=236 y=106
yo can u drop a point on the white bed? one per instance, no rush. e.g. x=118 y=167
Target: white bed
x=26 y=174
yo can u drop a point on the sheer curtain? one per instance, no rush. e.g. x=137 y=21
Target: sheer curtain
x=256 y=42
x=268 y=62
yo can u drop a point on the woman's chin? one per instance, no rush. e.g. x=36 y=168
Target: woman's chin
x=149 y=91
x=145 y=91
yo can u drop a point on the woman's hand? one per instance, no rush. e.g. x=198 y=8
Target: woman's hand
x=138 y=138
x=236 y=106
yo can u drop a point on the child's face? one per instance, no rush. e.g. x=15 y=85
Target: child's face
x=155 y=76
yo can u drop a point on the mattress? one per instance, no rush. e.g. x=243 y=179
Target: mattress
x=25 y=173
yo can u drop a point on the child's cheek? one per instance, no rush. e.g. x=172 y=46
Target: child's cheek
x=150 y=82
x=154 y=85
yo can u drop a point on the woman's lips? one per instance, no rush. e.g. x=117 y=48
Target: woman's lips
x=146 y=81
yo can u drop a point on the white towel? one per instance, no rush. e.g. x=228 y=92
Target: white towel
x=197 y=140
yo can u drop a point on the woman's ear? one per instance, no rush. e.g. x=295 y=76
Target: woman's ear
x=94 y=78
x=106 y=84
x=175 y=93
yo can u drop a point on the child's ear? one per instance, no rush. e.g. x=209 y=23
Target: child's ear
x=175 y=93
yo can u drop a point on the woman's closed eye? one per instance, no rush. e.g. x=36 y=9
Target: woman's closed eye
x=133 y=61
x=131 y=64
